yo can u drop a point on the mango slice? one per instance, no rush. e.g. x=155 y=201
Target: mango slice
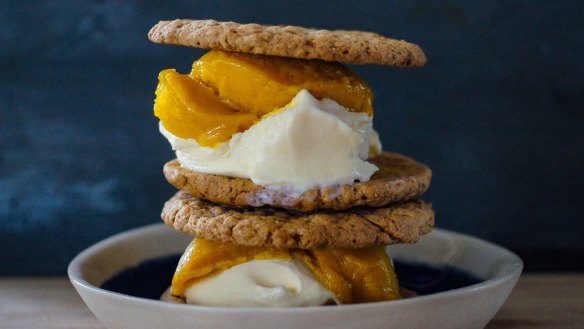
x=261 y=84
x=202 y=257
x=227 y=92
x=189 y=109
x=354 y=276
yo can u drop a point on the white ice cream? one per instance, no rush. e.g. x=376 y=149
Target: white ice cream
x=309 y=143
x=267 y=283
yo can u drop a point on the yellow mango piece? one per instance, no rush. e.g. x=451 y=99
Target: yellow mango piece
x=354 y=276
x=261 y=84
x=202 y=257
x=189 y=109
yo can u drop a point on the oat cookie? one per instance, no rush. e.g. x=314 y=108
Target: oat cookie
x=356 y=228
x=399 y=178
x=355 y=47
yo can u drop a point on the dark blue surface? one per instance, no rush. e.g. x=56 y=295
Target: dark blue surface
x=497 y=113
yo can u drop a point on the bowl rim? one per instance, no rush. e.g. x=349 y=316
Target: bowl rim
x=513 y=269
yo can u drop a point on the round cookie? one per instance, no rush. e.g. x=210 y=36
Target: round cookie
x=356 y=228
x=355 y=47
x=399 y=178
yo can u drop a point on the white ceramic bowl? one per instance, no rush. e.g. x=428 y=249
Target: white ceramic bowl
x=469 y=307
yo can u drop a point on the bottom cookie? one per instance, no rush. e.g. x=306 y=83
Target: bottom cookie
x=359 y=227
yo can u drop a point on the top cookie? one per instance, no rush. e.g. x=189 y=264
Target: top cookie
x=399 y=178
x=354 y=47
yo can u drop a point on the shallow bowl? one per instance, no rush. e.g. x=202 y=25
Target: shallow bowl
x=468 y=307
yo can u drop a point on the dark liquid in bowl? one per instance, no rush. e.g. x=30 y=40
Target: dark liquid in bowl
x=151 y=278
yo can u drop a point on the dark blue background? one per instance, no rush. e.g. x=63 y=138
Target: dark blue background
x=497 y=113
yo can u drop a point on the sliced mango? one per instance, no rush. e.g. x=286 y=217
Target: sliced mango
x=261 y=84
x=203 y=257
x=189 y=109
x=227 y=92
x=354 y=276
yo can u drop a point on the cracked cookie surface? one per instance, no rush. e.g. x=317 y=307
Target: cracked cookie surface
x=354 y=47
x=356 y=228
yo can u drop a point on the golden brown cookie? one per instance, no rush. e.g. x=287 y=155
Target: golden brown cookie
x=399 y=178
x=356 y=228
x=290 y=41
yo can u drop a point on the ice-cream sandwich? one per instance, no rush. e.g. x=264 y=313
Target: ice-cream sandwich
x=282 y=178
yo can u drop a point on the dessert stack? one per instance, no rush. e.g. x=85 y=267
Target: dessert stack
x=282 y=179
